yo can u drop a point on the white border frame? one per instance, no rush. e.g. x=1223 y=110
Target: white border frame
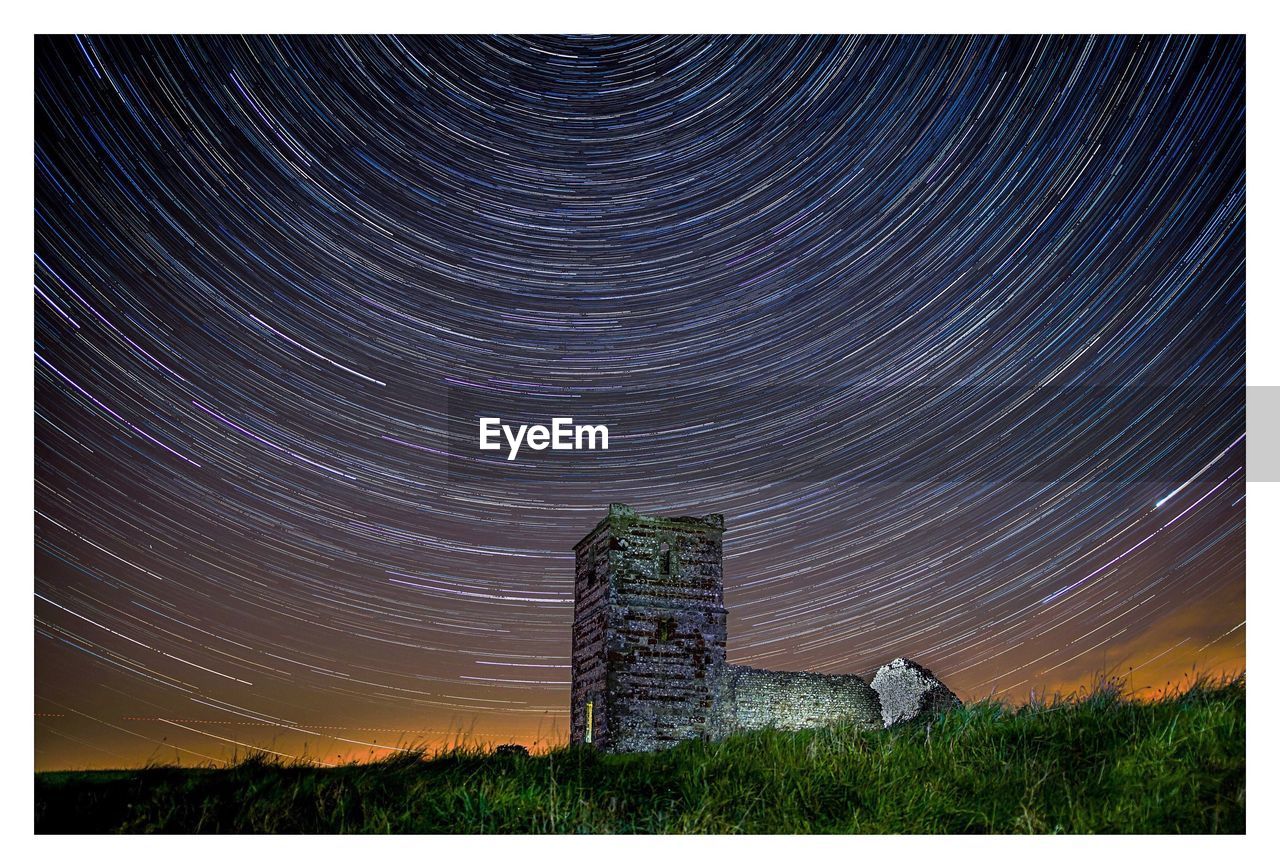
x=659 y=16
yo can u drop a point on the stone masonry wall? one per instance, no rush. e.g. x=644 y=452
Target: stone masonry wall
x=590 y=625
x=753 y=698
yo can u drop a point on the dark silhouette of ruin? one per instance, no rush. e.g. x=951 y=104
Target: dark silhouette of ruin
x=649 y=636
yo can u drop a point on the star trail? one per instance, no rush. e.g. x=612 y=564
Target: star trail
x=951 y=329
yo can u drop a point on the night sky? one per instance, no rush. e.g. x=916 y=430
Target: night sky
x=950 y=329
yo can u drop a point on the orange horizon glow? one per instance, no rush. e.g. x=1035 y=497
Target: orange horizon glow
x=1169 y=674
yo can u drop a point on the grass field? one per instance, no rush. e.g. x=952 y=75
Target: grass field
x=1099 y=764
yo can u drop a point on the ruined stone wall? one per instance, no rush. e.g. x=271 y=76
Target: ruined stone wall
x=649 y=637
x=752 y=698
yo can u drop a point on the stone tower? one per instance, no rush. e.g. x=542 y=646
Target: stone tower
x=649 y=631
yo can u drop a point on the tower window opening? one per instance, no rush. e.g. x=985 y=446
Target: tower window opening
x=666 y=629
x=665 y=560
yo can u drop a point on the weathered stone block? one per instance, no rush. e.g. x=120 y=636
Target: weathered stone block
x=909 y=691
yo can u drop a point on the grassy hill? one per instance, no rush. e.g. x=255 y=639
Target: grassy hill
x=1097 y=765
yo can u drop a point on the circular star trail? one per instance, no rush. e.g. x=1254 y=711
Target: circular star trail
x=950 y=329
